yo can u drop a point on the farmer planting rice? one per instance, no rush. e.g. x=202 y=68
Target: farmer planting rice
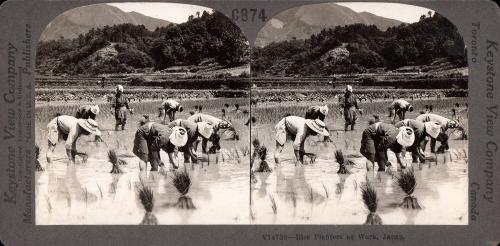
x=297 y=129
x=445 y=125
x=87 y=112
x=379 y=137
x=69 y=129
x=121 y=108
x=350 y=108
x=169 y=107
x=422 y=131
x=399 y=108
x=218 y=125
x=153 y=137
x=203 y=129
x=317 y=112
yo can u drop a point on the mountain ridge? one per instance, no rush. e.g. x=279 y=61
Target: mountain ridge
x=80 y=20
x=304 y=21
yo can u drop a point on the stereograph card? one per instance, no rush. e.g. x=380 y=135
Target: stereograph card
x=249 y=122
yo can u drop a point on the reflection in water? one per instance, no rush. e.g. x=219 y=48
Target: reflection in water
x=89 y=194
x=301 y=194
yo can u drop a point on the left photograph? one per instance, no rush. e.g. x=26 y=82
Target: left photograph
x=142 y=117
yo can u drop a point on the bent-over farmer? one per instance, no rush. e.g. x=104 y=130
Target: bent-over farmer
x=220 y=125
x=169 y=107
x=379 y=137
x=317 y=112
x=350 y=108
x=399 y=108
x=153 y=137
x=87 y=112
x=121 y=108
x=297 y=129
x=194 y=130
x=445 y=125
x=422 y=131
x=69 y=129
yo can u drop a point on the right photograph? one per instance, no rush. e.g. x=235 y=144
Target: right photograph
x=359 y=115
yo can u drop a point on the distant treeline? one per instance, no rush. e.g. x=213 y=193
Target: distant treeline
x=125 y=48
x=355 y=48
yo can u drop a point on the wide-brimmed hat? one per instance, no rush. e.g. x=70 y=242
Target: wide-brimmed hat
x=406 y=136
x=432 y=128
x=178 y=137
x=410 y=108
x=452 y=124
x=94 y=109
x=90 y=125
x=205 y=129
x=324 y=110
x=224 y=124
x=119 y=88
x=318 y=126
x=348 y=88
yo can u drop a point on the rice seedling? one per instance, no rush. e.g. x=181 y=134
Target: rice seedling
x=113 y=158
x=146 y=197
x=100 y=190
x=311 y=195
x=38 y=166
x=407 y=183
x=263 y=167
x=326 y=191
x=370 y=200
x=339 y=157
x=273 y=204
x=182 y=182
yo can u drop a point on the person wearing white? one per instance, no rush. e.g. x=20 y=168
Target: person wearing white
x=170 y=107
x=296 y=129
x=69 y=129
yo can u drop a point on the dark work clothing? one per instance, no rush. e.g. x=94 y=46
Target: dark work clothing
x=350 y=108
x=148 y=143
x=376 y=140
x=121 y=109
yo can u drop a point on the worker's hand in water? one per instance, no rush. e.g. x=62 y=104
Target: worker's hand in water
x=99 y=139
x=327 y=139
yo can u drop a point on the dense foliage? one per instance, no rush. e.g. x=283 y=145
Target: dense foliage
x=127 y=47
x=355 y=48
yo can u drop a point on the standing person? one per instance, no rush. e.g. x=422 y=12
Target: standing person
x=350 y=108
x=152 y=137
x=218 y=125
x=379 y=137
x=69 y=129
x=422 y=131
x=170 y=107
x=194 y=130
x=297 y=129
x=399 y=108
x=445 y=125
x=87 y=112
x=121 y=108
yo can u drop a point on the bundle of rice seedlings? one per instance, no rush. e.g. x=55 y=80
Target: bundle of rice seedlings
x=113 y=158
x=263 y=167
x=147 y=200
x=369 y=195
x=339 y=157
x=182 y=182
x=407 y=182
x=38 y=166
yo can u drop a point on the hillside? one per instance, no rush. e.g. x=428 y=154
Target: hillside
x=357 y=48
x=304 y=21
x=129 y=48
x=80 y=20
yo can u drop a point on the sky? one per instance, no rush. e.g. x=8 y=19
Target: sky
x=402 y=12
x=176 y=13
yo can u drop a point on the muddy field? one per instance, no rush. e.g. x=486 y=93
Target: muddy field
x=315 y=194
x=87 y=193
